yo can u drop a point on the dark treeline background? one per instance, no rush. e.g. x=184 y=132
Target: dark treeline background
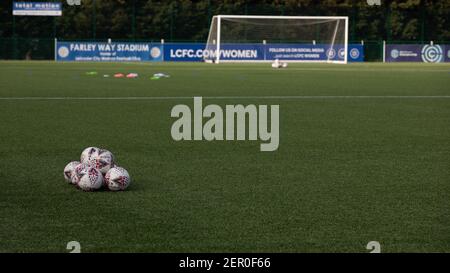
x=187 y=20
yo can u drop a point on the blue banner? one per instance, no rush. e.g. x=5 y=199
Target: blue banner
x=418 y=53
x=37 y=8
x=194 y=52
x=108 y=52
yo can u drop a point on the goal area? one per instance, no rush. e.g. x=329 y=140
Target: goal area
x=250 y=38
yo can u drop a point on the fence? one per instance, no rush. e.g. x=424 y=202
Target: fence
x=23 y=37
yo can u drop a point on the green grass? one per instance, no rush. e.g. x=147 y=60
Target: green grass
x=347 y=171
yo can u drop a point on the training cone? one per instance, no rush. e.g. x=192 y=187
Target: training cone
x=161 y=75
x=132 y=75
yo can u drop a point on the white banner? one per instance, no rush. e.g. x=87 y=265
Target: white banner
x=37 y=9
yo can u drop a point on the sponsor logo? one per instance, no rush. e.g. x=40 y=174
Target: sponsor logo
x=63 y=52
x=341 y=53
x=155 y=52
x=395 y=53
x=432 y=54
x=331 y=53
x=354 y=53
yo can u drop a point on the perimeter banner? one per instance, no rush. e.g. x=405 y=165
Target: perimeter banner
x=108 y=52
x=37 y=9
x=418 y=53
x=195 y=52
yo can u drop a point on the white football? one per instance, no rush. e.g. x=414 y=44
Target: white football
x=276 y=65
x=104 y=161
x=89 y=155
x=117 y=179
x=284 y=65
x=79 y=170
x=69 y=170
x=91 y=179
x=74 y=179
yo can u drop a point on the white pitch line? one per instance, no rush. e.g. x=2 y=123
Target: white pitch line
x=226 y=97
x=257 y=68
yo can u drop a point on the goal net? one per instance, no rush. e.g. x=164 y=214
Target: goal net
x=242 y=38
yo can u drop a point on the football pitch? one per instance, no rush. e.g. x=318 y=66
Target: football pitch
x=364 y=155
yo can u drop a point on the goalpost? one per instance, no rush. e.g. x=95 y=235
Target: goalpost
x=250 y=38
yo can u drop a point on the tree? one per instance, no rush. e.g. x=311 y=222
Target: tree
x=409 y=20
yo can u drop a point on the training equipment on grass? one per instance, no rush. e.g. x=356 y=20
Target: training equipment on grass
x=161 y=75
x=95 y=165
x=278 y=64
x=104 y=161
x=90 y=179
x=237 y=38
x=69 y=170
x=158 y=76
x=117 y=179
x=132 y=75
x=89 y=155
x=119 y=75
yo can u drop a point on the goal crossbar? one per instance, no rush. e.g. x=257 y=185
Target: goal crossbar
x=281 y=17
x=239 y=30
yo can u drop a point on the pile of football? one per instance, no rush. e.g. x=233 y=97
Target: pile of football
x=96 y=169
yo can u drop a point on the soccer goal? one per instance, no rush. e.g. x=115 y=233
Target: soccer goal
x=246 y=38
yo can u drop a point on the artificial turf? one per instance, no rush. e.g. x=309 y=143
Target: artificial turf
x=372 y=166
